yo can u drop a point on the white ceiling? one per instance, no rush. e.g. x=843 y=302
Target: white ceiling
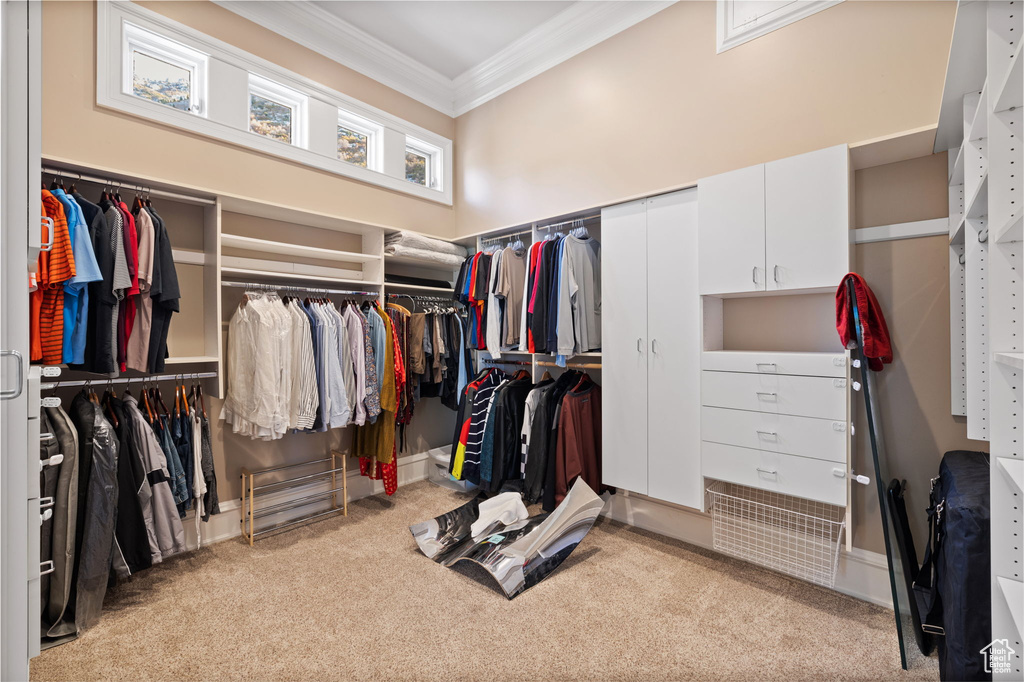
x=452 y=55
x=449 y=37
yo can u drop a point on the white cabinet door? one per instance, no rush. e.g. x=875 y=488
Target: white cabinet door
x=624 y=346
x=731 y=232
x=807 y=218
x=673 y=324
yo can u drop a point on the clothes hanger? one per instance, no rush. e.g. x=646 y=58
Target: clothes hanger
x=145 y=402
x=107 y=407
x=546 y=376
x=202 y=401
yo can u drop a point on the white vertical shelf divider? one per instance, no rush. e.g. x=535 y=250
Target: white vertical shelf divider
x=212 y=312
x=1004 y=321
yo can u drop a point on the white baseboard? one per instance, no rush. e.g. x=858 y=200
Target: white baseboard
x=862 y=574
x=228 y=524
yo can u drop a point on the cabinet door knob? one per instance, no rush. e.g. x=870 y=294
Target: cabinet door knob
x=639 y=345
x=753 y=275
x=775 y=273
x=654 y=348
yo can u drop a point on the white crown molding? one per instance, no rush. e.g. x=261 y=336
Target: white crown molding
x=317 y=29
x=577 y=28
x=571 y=31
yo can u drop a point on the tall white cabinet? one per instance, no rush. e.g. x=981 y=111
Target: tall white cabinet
x=652 y=343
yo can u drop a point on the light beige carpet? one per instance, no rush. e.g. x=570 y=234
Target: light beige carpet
x=353 y=599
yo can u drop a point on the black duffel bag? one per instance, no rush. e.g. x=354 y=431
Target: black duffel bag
x=954 y=586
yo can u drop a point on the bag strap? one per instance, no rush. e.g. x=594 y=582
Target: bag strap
x=926 y=578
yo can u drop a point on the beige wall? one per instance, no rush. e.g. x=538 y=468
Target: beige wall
x=75 y=128
x=910 y=278
x=654 y=107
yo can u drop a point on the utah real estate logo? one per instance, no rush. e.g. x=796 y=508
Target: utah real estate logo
x=997 y=656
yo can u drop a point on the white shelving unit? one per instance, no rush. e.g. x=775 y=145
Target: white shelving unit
x=986 y=268
x=298 y=250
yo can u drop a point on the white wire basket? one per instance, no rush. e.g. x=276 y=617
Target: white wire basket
x=788 y=534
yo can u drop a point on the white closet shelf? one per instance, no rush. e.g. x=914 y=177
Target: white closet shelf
x=978 y=205
x=1013 y=471
x=1011 y=359
x=1011 y=91
x=191 y=359
x=956 y=237
x=266 y=246
x=420 y=262
x=979 y=123
x=418 y=287
x=957 y=176
x=188 y=257
x=297 y=276
x=1013 y=592
x=1012 y=231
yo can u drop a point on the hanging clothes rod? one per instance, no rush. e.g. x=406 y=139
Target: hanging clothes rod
x=571 y=365
x=508 y=235
x=568 y=222
x=101 y=381
x=264 y=286
x=84 y=177
x=443 y=299
x=508 y=362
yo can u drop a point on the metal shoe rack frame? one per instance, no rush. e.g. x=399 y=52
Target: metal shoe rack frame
x=251 y=492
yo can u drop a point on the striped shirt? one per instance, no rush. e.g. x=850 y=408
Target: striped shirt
x=477 y=422
x=304 y=397
x=55 y=267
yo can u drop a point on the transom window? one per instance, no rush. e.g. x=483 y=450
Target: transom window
x=276 y=111
x=163 y=71
x=359 y=140
x=422 y=163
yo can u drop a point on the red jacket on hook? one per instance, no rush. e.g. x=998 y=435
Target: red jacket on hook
x=877 y=346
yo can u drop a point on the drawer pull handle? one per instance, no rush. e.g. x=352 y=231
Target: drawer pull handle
x=769 y=472
x=46 y=567
x=768 y=434
x=770 y=396
x=772 y=365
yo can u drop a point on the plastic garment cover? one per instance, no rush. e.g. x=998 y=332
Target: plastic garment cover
x=517 y=556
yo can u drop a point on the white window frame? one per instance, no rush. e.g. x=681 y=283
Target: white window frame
x=285 y=96
x=434 y=165
x=138 y=39
x=374 y=138
x=730 y=36
x=225 y=109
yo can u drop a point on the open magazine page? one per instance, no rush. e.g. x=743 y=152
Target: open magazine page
x=520 y=555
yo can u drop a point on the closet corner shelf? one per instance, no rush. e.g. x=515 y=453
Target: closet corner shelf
x=417 y=287
x=957 y=176
x=1013 y=470
x=1012 y=231
x=191 y=360
x=1011 y=92
x=979 y=122
x=978 y=205
x=266 y=246
x=420 y=262
x=1011 y=359
x=1013 y=592
x=188 y=257
x=297 y=277
x=956 y=237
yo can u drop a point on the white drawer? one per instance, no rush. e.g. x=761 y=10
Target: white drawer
x=817 y=438
x=812 y=479
x=820 y=397
x=806 y=364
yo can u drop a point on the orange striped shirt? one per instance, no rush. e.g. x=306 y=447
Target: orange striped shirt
x=55 y=267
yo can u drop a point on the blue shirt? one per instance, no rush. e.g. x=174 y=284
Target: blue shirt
x=76 y=293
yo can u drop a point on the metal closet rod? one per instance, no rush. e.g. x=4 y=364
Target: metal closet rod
x=568 y=222
x=423 y=298
x=84 y=177
x=572 y=365
x=264 y=286
x=100 y=381
x=492 y=361
x=502 y=237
